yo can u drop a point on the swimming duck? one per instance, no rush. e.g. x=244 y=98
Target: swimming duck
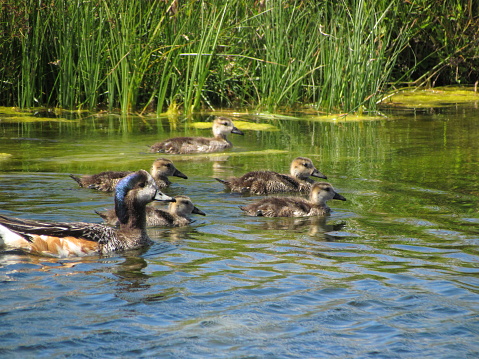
x=265 y=182
x=106 y=181
x=321 y=192
x=78 y=238
x=222 y=127
x=177 y=215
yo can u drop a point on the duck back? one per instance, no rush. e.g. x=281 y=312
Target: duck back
x=262 y=182
x=103 y=181
x=283 y=207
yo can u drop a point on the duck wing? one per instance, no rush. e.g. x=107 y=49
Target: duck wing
x=106 y=181
x=88 y=231
x=278 y=207
x=264 y=182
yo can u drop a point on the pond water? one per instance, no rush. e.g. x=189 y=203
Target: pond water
x=392 y=273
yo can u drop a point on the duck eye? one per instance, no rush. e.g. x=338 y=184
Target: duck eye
x=142 y=184
x=327 y=189
x=225 y=123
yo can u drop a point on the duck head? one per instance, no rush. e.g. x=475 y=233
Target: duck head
x=133 y=193
x=321 y=192
x=163 y=167
x=223 y=126
x=184 y=207
x=303 y=167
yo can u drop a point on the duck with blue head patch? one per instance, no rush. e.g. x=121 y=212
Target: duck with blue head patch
x=63 y=239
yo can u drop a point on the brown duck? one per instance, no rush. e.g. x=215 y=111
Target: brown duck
x=222 y=127
x=177 y=215
x=106 y=181
x=321 y=192
x=266 y=182
x=78 y=238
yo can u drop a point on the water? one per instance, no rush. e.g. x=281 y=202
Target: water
x=392 y=273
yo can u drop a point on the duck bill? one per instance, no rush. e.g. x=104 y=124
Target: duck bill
x=318 y=174
x=160 y=196
x=238 y=132
x=180 y=174
x=196 y=210
x=338 y=196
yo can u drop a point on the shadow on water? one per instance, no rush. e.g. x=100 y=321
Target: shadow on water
x=391 y=273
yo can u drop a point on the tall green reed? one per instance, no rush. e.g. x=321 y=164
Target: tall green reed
x=138 y=55
x=34 y=70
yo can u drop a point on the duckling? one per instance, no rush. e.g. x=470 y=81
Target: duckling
x=321 y=192
x=61 y=239
x=106 y=181
x=266 y=182
x=177 y=215
x=222 y=127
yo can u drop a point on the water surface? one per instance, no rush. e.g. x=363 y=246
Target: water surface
x=392 y=273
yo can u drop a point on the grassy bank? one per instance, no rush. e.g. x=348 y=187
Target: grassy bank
x=156 y=55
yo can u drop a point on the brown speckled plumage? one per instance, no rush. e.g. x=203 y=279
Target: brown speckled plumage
x=266 y=182
x=222 y=127
x=320 y=193
x=107 y=181
x=78 y=238
x=178 y=214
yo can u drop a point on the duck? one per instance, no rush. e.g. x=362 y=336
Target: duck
x=267 y=182
x=106 y=181
x=321 y=192
x=222 y=126
x=62 y=239
x=177 y=214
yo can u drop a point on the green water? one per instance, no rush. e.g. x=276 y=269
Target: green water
x=392 y=273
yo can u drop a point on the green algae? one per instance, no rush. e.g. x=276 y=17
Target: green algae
x=16 y=115
x=434 y=97
x=344 y=118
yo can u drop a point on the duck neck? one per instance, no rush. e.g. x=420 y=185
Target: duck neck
x=298 y=175
x=132 y=216
x=221 y=136
x=161 y=179
x=318 y=201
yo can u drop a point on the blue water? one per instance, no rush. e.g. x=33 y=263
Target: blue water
x=392 y=273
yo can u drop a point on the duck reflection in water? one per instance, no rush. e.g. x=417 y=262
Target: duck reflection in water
x=316 y=226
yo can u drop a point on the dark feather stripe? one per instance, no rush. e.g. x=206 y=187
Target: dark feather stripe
x=27 y=228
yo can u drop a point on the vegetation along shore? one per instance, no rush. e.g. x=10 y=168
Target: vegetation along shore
x=160 y=55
